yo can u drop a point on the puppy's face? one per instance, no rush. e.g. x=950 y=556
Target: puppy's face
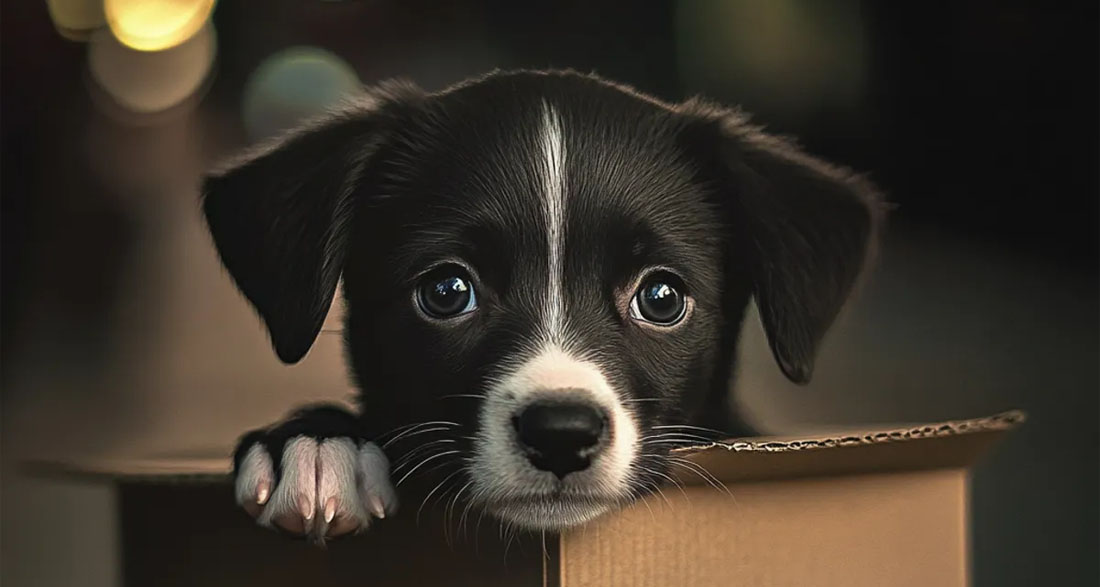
x=555 y=265
x=544 y=270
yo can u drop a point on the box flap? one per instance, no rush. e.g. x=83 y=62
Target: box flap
x=914 y=447
x=942 y=445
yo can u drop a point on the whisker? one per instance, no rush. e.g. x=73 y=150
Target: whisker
x=677 y=435
x=477 y=527
x=667 y=477
x=701 y=472
x=412 y=454
x=435 y=468
x=464 y=395
x=545 y=553
x=677 y=443
x=449 y=511
x=424 y=462
x=397 y=429
x=463 y=519
x=651 y=487
x=432 y=492
x=414 y=432
x=647 y=506
x=511 y=531
x=657 y=488
x=415 y=425
x=665 y=497
x=687 y=427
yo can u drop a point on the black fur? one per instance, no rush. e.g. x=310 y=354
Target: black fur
x=386 y=188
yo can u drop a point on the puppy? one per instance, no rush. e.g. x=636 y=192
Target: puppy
x=545 y=276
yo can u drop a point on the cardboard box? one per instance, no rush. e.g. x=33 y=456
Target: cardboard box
x=874 y=508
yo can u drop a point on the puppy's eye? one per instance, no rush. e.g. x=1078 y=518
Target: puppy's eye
x=660 y=300
x=446 y=292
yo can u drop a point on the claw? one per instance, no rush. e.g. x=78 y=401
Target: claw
x=330 y=509
x=376 y=508
x=305 y=508
x=263 y=492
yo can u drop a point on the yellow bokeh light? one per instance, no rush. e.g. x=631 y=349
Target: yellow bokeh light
x=147 y=82
x=76 y=19
x=155 y=25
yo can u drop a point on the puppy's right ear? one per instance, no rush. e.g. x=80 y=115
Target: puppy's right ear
x=280 y=220
x=802 y=230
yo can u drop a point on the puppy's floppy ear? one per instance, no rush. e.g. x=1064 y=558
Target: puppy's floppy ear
x=280 y=220
x=804 y=230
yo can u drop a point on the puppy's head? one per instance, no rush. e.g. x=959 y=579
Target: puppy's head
x=549 y=268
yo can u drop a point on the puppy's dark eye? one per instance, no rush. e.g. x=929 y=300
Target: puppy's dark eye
x=446 y=292
x=660 y=300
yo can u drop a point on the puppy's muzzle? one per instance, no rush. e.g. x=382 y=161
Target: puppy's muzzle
x=561 y=434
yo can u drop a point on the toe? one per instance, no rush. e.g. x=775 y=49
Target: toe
x=337 y=495
x=375 y=487
x=292 y=504
x=254 y=480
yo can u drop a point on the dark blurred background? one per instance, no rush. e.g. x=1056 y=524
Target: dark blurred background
x=121 y=335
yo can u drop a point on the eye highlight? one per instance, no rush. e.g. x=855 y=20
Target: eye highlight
x=661 y=299
x=446 y=292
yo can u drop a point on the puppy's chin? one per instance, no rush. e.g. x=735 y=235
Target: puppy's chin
x=551 y=513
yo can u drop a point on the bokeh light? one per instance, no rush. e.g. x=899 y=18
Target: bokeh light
x=76 y=20
x=292 y=85
x=147 y=82
x=155 y=25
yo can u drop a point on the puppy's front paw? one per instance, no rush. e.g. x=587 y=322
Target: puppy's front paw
x=313 y=475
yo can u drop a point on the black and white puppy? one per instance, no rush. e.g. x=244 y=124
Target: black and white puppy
x=545 y=276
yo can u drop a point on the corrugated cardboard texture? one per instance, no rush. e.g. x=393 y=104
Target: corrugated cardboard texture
x=909 y=448
x=852 y=509
x=864 y=530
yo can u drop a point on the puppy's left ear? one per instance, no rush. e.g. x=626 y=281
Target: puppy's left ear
x=801 y=228
x=280 y=219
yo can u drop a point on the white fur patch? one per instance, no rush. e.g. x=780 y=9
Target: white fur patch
x=255 y=469
x=336 y=479
x=375 y=487
x=501 y=471
x=322 y=482
x=296 y=493
x=553 y=179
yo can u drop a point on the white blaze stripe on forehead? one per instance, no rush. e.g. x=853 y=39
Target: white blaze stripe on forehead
x=553 y=180
x=546 y=365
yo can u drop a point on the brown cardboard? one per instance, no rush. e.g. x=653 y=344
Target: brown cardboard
x=897 y=529
x=885 y=507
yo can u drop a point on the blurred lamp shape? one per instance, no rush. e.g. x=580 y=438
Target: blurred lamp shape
x=146 y=82
x=76 y=20
x=155 y=25
x=293 y=85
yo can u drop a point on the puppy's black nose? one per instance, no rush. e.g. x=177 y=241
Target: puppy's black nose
x=560 y=436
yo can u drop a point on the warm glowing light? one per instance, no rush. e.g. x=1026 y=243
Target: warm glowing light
x=76 y=19
x=293 y=85
x=155 y=25
x=146 y=82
